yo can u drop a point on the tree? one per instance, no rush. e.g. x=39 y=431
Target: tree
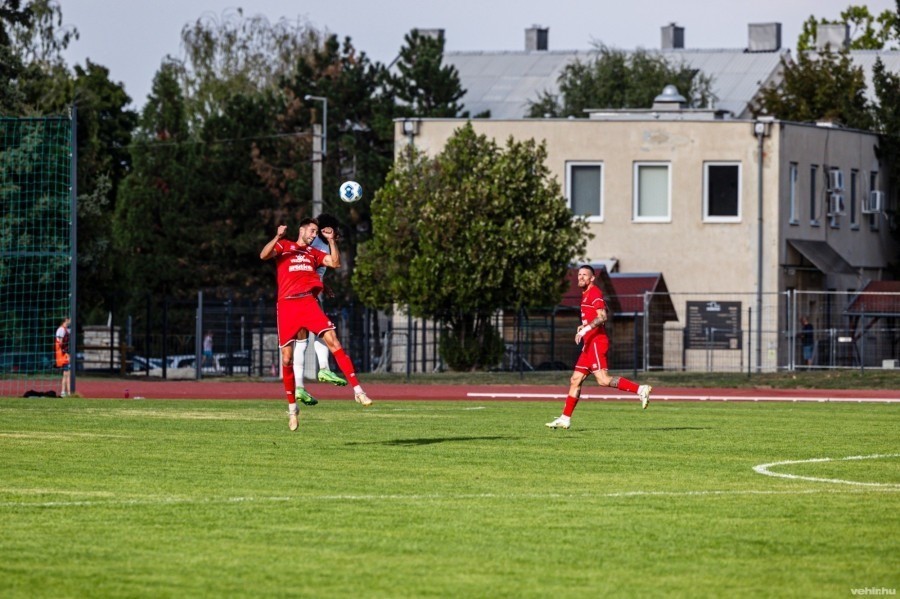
x=422 y=84
x=823 y=87
x=154 y=233
x=232 y=54
x=867 y=31
x=476 y=229
x=619 y=79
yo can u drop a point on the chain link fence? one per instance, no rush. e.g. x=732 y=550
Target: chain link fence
x=692 y=332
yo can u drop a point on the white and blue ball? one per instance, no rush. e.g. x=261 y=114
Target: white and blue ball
x=351 y=191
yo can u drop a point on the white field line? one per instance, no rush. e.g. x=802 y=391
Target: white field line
x=151 y=501
x=765 y=469
x=658 y=397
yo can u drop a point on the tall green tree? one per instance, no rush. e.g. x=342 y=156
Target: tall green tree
x=619 y=79
x=233 y=54
x=826 y=86
x=476 y=229
x=867 y=31
x=154 y=225
x=420 y=81
x=12 y=14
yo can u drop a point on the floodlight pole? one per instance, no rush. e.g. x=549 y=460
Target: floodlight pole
x=761 y=130
x=320 y=150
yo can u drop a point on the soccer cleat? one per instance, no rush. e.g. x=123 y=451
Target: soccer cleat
x=363 y=400
x=329 y=376
x=644 y=394
x=561 y=422
x=303 y=396
x=293 y=421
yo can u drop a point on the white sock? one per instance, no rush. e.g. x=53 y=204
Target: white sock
x=292 y=408
x=299 y=359
x=358 y=389
x=322 y=353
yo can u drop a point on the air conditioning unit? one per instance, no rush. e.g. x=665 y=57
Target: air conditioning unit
x=835 y=179
x=873 y=203
x=835 y=204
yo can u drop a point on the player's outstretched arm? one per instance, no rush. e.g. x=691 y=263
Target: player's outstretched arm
x=268 y=250
x=333 y=259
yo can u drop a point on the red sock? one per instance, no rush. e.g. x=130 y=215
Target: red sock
x=626 y=385
x=346 y=366
x=290 y=382
x=571 y=402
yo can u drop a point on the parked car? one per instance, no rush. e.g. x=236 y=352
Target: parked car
x=142 y=364
x=238 y=362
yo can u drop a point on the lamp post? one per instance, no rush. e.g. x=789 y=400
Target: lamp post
x=761 y=130
x=320 y=150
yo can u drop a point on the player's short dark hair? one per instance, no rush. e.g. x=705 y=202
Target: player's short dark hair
x=309 y=221
x=587 y=267
x=326 y=221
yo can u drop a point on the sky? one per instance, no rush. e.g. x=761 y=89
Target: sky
x=132 y=37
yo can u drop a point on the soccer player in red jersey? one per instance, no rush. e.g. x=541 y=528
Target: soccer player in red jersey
x=592 y=332
x=297 y=306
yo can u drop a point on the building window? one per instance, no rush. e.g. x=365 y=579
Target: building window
x=873 y=185
x=722 y=192
x=584 y=188
x=854 y=199
x=813 y=215
x=793 y=194
x=652 y=192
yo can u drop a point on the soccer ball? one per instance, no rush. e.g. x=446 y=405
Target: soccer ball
x=351 y=191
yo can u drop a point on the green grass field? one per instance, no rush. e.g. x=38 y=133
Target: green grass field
x=129 y=498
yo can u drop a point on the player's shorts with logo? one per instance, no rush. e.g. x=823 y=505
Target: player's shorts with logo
x=593 y=355
x=299 y=313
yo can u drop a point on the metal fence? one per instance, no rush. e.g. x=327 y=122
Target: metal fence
x=694 y=332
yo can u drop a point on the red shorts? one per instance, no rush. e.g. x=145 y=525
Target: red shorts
x=300 y=313
x=593 y=356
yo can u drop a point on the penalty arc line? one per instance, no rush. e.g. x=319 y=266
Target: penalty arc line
x=764 y=469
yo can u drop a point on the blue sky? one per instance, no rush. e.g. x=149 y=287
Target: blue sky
x=131 y=37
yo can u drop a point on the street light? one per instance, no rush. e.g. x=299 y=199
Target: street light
x=319 y=155
x=761 y=129
x=324 y=102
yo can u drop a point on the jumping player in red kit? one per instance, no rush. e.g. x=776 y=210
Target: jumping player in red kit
x=297 y=306
x=592 y=332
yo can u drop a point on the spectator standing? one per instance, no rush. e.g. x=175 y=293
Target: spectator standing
x=807 y=341
x=61 y=343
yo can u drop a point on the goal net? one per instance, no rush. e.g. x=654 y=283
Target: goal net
x=36 y=250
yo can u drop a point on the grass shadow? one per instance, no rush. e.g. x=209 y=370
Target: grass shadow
x=432 y=440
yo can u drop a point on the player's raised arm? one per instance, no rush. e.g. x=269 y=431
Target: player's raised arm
x=268 y=250
x=333 y=259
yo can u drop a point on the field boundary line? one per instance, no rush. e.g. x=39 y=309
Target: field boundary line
x=697 y=397
x=764 y=469
x=430 y=497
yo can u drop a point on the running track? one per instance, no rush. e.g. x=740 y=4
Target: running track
x=217 y=389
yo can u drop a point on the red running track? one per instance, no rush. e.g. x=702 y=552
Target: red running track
x=218 y=389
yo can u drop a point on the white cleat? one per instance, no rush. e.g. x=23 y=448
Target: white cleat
x=363 y=400
x=293 y=421
x=644 y=394
x=561 y=422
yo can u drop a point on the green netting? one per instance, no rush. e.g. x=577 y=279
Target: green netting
x=36 y=250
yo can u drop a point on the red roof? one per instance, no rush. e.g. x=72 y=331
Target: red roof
x=630 y=287
x=878 y=297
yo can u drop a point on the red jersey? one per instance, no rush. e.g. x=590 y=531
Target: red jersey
x=296 y=266
x=591 y=303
